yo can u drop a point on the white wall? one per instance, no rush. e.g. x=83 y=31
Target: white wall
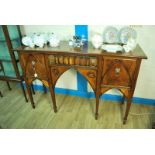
x=146 y=81
x=146 y=38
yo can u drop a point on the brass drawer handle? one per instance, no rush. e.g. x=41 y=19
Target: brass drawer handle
x=35 y=75
x=117 y=71
x=33 y=63
x=33 y=67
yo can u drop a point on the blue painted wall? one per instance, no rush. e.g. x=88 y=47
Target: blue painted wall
x=117 y=98
x=81 y=30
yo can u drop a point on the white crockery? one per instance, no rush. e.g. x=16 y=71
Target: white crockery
x=131 y=45
x=39 y=40
x=46 y=37
x=70 y=43
x=27 y=41
x=127 y=33
x=110 y=35
x=97 y=40
x=112 y=48
x=53 y=40
x=126 y=48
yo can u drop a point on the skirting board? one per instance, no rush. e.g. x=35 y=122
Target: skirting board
x=112 y=97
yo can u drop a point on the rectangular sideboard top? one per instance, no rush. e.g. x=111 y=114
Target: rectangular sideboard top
x=87 y=49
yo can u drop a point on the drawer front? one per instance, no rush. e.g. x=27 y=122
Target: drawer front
x=34 y=65
x=118 y=72
x=73 y=60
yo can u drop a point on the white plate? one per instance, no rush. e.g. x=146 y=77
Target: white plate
x=126 y=33
x=112 y=48
x=110 y=35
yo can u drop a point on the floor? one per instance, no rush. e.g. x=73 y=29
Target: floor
x=73 y=112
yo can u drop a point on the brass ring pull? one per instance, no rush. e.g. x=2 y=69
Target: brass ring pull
x=117 y=71
x=33 y=63
x=33 y=66
x=35 y=75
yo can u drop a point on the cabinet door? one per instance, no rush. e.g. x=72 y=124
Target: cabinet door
x=34 y=66
x=118 y=71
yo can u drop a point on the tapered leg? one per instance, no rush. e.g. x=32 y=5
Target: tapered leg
x=1 y=94
x=127 y=110
x=32 y=89
x=97 y=106
x=45 y=90
x=22 y=86
x=30 y=95
x=53 y=97
x=8 y=85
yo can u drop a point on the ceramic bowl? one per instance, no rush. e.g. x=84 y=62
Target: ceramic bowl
x=53 y=40
x=131 y=45
x=97 y=40
x=27 y=41
x=39 y=40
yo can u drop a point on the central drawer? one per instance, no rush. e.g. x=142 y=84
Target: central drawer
x=72 y=60
x=118 y=72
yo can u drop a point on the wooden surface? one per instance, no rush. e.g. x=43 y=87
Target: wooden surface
x=103 y=70
x=87 y=49
x=73 y=112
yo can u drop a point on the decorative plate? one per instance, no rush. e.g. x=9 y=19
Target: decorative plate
x=127 y=33
x=110 y=35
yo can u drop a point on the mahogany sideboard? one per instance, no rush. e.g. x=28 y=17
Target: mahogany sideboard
x=103 y=70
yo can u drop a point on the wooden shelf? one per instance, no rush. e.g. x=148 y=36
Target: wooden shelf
x=14 y=39
x=7 y=59
x=13 y=58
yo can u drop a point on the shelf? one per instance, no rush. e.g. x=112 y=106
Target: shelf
x=7 y=59
x=10 y=78
x=14 y=39
x=9 y=74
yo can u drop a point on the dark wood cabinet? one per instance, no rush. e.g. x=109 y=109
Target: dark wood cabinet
x=10 y=38
x=103 y=70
